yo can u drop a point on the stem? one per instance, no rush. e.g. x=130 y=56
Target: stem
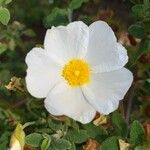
x=129 y=99
x=18 y=103
x=146 y=2
x=69 y=15
x=122 y=109
x=28 y=124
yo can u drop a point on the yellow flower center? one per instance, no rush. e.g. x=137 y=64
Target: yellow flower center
x=76 y=72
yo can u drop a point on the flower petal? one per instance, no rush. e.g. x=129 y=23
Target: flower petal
x=67 y=42
x=106 y=89
x=123 y=57
x=42 y=73
x=51 y=109
x=103 y=51
x=69 y=102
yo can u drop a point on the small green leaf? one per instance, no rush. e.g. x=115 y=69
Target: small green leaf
x=137 y=31
x=138 y=148
x=93 y=131
x=12 y=44
x=34 y=139
x=29 y=33
x=119 y=124
x=77 y=136
x=141 y=11
x=110 y=143
x=46 y=143
x=143 y=48
x=56 y=17
x=4 y=140
x=8 y=1
x=1 y=2
x=136 y=133
x=54 y=125
x=4 y=15
x=138 y=10
x=3 y=48
x=5 y=2
x=75 y=4
x=60 y=144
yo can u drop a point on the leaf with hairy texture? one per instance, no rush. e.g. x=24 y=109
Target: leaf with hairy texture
x=121 y=128
x=110 y=143
x=75 y=4
x=34 y=139
x=136 y=133
x=4 y=15
x=77 y=136
x=137 y=31
x=60 y=144
x=56 y=17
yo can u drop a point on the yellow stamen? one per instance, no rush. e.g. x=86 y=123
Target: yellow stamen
x=76 y=72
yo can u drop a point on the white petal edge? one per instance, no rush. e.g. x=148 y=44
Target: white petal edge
x=106 y=89
x=123 y=56
x=103 y=51
x=67 y=42
x=52 y=111
x=70 y=102
x=42 y=73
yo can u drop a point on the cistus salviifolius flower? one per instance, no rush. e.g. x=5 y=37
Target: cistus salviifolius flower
x=80 y=71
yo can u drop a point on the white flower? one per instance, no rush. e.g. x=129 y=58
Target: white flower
x=79 y=71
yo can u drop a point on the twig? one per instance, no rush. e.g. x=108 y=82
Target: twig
x=129 y=99
x=18 y=103
x=69 y=15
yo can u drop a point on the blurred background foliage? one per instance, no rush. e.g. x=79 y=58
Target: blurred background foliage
x=22 y=26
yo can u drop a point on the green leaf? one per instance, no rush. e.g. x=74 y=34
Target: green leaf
x=60 y=144
x=34 y=139
x=136 y=133
x=4 y=15
x=93 y=131
x=75 y=4
x=143 y=48
x=45 y=143
x=137 y=31
x=1 y=2
x=77 y=136
x=3 y=48
x=119 y=124
x=138 y=148
x=12 y=44
x=29 y=33
x=138 y=10
x=110 y=143
x=5 y=2
x=4 y=140
x=8 y=1
x=54 y=125
x=56 y=17
x=141 y=11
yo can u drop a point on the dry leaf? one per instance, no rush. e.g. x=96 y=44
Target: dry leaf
x=147 y=129
x=100 y=120
x=128 y=40
x=123 y=145
x=26 y=147
x=14 y=84
x=91 y=145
